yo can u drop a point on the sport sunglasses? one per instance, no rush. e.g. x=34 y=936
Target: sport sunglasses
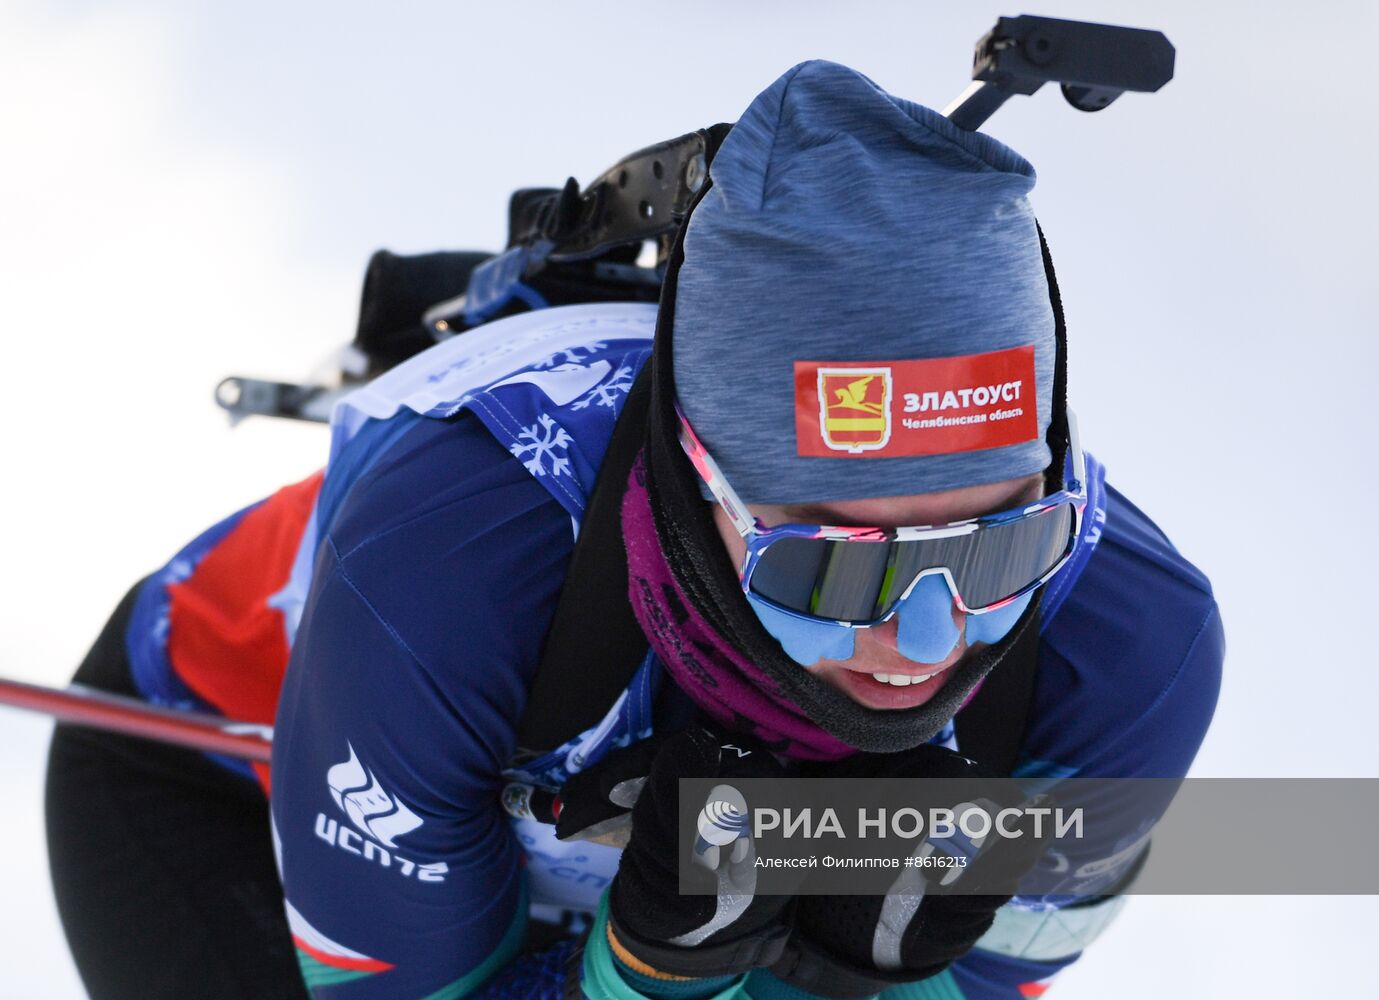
x=858 y=577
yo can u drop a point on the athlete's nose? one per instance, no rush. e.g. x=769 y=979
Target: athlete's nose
x=886 y=635
x=930 y=624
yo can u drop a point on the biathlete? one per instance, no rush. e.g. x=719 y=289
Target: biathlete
x=859 y=343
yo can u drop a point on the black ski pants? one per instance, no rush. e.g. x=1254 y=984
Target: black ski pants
x=162 y=861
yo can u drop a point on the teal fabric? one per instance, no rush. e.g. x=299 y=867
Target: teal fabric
x=940 y=987
x=602 y=979
x=762 y=985
x=606 y=978
x=672 y=989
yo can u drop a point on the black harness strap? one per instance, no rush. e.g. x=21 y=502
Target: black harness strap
x=991 y=727
x=594 y=644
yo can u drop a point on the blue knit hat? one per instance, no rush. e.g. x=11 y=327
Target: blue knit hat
x=862 y=309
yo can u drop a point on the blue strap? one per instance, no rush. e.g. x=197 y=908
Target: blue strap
x=498 y=280
x=628 y=721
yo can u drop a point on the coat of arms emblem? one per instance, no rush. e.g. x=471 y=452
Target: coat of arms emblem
x=855 y=408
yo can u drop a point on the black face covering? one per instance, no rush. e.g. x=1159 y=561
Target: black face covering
x=699 y=560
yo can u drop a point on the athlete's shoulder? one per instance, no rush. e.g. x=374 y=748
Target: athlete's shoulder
x=548 y=386
x=1136 y=590
x=446 y=525
x=1132 y=659
x=432 y=588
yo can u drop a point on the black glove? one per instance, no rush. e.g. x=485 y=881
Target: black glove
x=728 y=932
x=856 y=946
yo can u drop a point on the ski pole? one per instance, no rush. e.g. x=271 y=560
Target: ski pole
x=84 y=706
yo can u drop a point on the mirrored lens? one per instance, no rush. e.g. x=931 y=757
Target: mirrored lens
x=862 y=581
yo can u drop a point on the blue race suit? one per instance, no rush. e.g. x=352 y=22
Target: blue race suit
x=406 y=596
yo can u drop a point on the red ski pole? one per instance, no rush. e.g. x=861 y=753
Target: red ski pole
x=85 y=706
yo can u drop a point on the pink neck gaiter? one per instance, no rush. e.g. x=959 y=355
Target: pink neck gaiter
x=719 y=679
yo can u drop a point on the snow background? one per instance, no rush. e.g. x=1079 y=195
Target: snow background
x=189 y=191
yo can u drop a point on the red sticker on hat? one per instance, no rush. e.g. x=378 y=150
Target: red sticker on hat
x=889 y=409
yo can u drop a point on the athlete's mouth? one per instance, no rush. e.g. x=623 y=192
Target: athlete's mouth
x=905 y=680
x=883 y=689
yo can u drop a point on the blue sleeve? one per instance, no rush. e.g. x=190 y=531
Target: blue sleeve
x=1129 y=674
x=434 y=585
x=1130 y=668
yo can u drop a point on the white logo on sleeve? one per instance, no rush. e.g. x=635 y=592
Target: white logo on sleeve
x=378 y=815
x=367 y=804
